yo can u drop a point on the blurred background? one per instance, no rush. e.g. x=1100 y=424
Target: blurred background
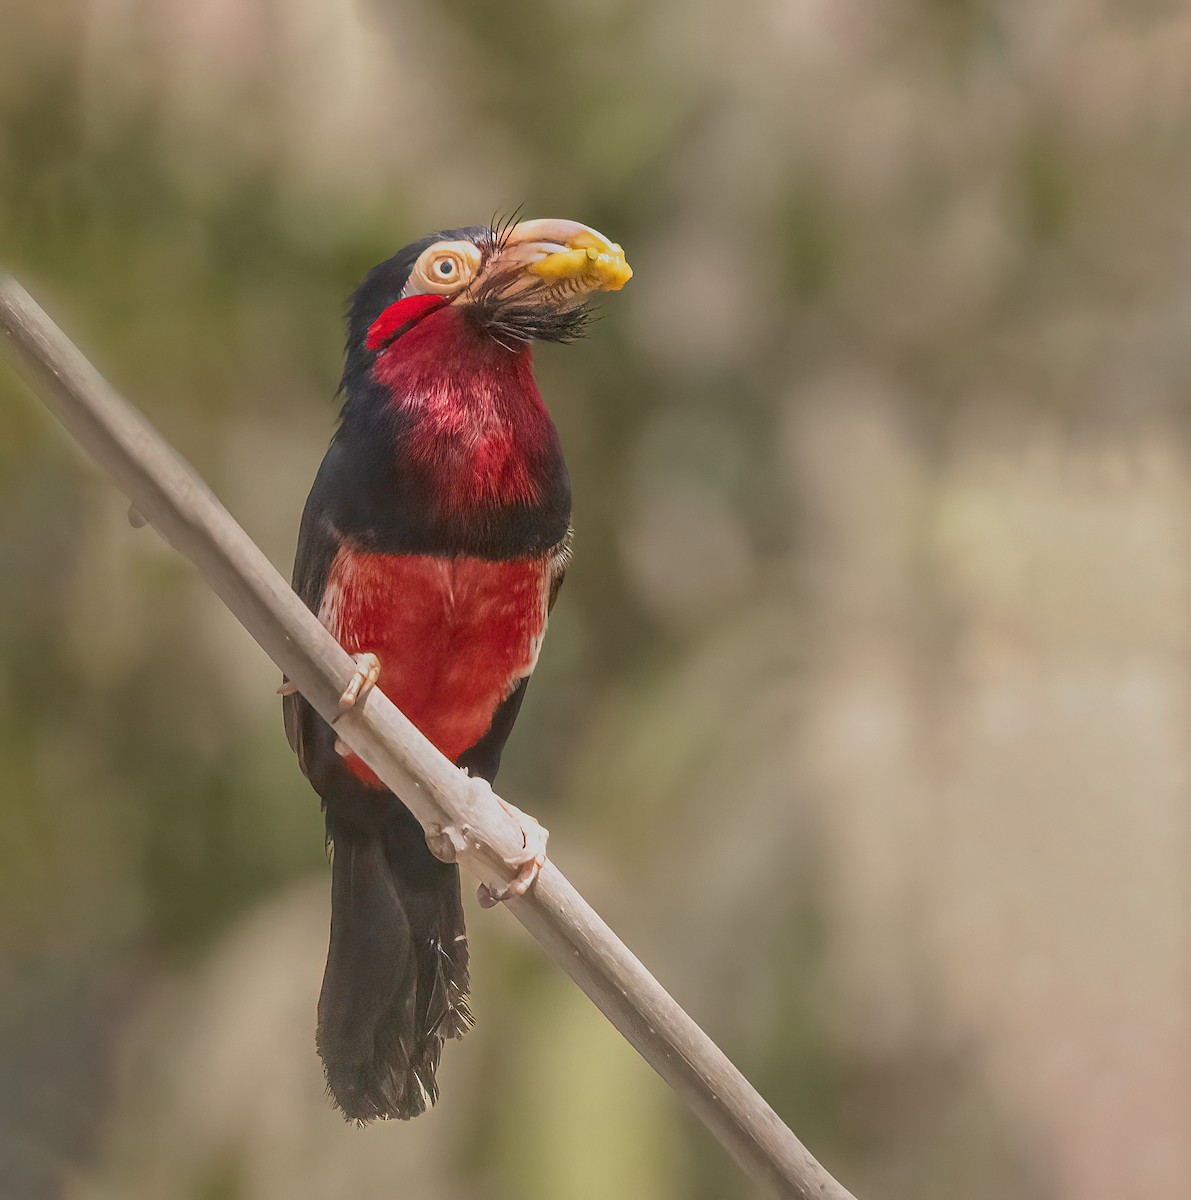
x=866 y=712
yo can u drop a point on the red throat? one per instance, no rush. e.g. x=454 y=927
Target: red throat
x=476 y=422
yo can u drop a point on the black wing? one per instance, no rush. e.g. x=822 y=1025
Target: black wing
x=318 y=543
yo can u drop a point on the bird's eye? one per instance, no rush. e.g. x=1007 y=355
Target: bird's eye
x=444 y=268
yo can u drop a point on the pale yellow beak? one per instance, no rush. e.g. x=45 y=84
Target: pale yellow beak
x=571 y=260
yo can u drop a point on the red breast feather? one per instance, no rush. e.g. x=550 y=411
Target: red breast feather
x=453 y=635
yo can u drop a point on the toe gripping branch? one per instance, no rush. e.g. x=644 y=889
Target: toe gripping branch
x=449 y=843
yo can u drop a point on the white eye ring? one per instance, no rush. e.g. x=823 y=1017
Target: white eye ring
x=444 y=268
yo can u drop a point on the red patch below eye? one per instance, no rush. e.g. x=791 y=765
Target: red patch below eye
x=404 y=312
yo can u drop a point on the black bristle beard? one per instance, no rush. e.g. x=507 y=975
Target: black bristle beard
x=516 y=317
x=513 y=323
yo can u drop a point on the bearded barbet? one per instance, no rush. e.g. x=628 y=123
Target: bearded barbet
x=432 y=546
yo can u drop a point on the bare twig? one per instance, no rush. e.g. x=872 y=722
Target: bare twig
x=458 y=813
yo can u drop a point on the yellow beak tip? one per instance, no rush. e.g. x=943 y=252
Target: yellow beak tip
x=600 y=271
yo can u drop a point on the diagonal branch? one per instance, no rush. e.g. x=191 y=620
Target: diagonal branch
x=457 y=812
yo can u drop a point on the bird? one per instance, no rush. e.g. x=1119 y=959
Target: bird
x=432 y=546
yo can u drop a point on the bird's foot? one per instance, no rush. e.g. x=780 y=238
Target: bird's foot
x=362 y=682
x=366 y=677
x=527 y=864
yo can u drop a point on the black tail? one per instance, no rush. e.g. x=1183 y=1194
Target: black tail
x=395 y=986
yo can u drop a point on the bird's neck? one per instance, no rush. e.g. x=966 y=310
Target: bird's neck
x=470 y=419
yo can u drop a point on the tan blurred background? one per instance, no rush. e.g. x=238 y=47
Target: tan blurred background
x=866 y=711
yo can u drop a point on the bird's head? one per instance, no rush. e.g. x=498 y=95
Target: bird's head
x=506 y=286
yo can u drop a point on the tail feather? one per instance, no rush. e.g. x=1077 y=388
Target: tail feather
x=395 y=986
